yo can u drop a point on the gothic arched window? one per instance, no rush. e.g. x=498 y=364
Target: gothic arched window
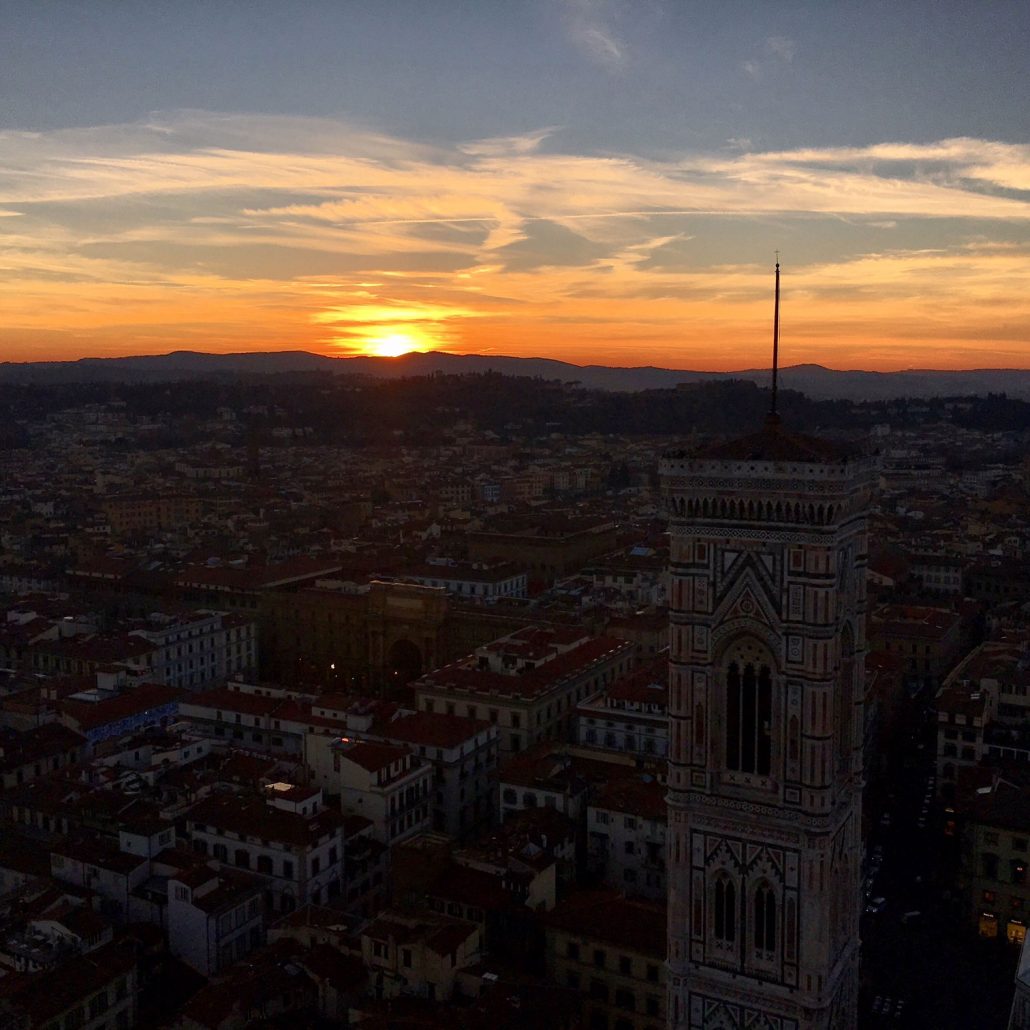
x=764 y=921
x=725 y=914
x=749 y=719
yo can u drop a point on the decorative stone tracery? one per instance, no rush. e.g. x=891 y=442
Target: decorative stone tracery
x=767 y=645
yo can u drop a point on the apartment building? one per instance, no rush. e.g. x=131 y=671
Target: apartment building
x=626 y=835
x=631 y=715
x=527 y=683
x=418 y=955
x=994 y=815
x=963 y=716
x=214 y=917
x=474 y=581
x=199 y=649
x=463 y=754
x=612 y=949
x=385 y=783
x=289 y=836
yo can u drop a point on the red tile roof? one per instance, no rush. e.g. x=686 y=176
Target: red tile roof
x=641 y=796
x=434 y=729
x=88 y=715
x=373 y=757
x=254 y=817
x=43 y=996
x=610 y=918
x=464 y=676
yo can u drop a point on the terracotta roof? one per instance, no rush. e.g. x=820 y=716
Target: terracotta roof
x=372 y=756
x=257 y=577
x=958 y=701
x=471 y=887
x=254 y=817
x=610 y=918
x=465 y=676
x=433 y=728
x=224 y=699
x=46 y=995
x=440 y=934
x=33 y=745
x=1003 y=803
x=647 y=685
x=23 y=854
x=267 y=974
x=116 y=648
x=97 y=852
x=327 y=964
x=233 y=888
x=132 y=701
x=642 y=796
x=913 y=620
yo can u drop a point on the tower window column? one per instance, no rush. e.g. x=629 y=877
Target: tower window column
x=764 y=922
x=749 y=719
x=724 y=929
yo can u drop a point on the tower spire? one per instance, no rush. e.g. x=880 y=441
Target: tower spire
x=776 y=336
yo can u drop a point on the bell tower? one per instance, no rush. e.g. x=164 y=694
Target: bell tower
x=768 y=556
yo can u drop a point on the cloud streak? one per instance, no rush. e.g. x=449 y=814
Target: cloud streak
x=305 y=232
x=590 y=28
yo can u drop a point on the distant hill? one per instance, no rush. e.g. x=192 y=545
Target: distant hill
x=815 y=381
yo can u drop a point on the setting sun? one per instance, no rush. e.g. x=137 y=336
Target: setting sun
x=393 y=346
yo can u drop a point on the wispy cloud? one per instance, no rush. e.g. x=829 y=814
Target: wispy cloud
x=781 y=47
x=315 y=233
x=591 y=30
x=776 y=50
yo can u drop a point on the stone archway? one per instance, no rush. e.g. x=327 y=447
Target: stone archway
x=403 y=662
x=403 y=625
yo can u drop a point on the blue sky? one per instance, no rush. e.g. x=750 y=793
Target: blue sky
x=621 y=169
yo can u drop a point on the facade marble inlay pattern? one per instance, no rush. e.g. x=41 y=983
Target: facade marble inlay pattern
x=767 y=586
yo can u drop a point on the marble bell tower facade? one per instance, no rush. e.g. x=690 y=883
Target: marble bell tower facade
x=768 y=605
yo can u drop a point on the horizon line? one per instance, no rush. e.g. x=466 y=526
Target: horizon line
x=379 y=358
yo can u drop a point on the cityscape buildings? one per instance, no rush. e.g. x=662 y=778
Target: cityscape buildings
x=381 y=789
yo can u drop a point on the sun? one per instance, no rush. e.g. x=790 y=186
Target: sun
x=393 y=345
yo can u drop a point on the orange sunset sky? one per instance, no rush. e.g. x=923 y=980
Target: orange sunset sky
x=584 y=181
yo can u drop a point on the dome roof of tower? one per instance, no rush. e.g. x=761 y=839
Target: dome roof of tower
x=775 y=443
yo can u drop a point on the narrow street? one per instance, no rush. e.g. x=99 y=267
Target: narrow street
x=923 y=966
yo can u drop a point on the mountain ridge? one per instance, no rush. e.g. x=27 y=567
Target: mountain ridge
x=817 y=381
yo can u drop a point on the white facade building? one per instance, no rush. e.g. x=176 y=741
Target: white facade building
x=463 y=755
x=632 y=715
x=386 y=784
x=214 y=918
x=200 y=649
x=627 y=835
x=289 y=837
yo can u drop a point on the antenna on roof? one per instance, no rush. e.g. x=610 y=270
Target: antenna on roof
x=776 y=336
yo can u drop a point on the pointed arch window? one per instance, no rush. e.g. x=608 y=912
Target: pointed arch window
x=725 y=914
x=749 y=719
x=764 y=922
